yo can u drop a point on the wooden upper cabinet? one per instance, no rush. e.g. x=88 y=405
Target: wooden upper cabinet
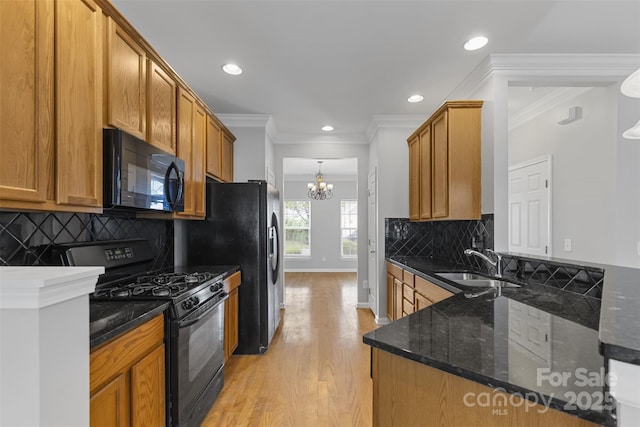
x=424 y=173
x=227 y=156
x=214 y=148
x=449 y=163
x=78 y=103
x=161 y=108
x=440 y=167
x=126 y=81
x=414 y=178
x=26 y=111
x=198 y=159
x=186 y=119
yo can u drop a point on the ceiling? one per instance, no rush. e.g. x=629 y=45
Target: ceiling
x=332 y=169
x=308 y=63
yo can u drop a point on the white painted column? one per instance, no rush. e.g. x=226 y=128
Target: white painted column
x=44 y=345
x=625 y=387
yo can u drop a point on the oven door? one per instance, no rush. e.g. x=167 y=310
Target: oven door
x=197 y=356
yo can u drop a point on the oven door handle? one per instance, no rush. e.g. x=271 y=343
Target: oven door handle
x=189 y=322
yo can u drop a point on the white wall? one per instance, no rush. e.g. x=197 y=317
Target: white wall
x=325 y=228
x=389 y=154
x=491 y=80
x=583 y=184
x=343 y=150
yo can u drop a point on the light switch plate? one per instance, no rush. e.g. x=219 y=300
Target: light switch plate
x=567 y=245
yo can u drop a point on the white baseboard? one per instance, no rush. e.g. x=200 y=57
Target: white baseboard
x=363 y=305
x=382 y=320
x=320 y=270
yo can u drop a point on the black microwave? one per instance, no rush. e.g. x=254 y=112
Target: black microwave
x=139 y=175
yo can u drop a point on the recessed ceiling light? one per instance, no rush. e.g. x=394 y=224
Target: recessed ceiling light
x=631 y=85
x=327 y=128
x=232 y=69
x=476 y=43
x=415 y=98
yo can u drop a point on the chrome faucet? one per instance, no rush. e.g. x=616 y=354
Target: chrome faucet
x=497 y=263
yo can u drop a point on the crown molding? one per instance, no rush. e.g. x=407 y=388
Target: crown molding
x=312 y=138
x=545 y=104
x=245 y=120
x=392 y=121
x=567 y=67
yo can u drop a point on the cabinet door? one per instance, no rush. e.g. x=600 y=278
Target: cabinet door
x=390 y=297
x=214 y=148
x=126 y=82
x=186 y=118
x=161 y=108
x=414 y=178
x=26 y=112
x=78 y=154
x=233 y=320
x=397 y=299
x=198 y=161
x=109 y=406
x=227 y=157
x=440 y=169
x=421 y=301
x=148 y=390
x=425 y=173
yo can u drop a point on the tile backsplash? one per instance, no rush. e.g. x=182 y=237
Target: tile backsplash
x=25 y=237
x=447 y=240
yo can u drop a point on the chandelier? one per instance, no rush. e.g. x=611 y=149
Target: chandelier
x=319 y=190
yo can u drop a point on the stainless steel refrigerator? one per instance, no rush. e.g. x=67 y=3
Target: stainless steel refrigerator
x=241 y=228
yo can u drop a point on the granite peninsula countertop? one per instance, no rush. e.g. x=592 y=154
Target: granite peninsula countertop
x=481 y=339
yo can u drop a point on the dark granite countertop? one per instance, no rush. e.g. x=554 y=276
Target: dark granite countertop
x=484 y=340
x=108 y=319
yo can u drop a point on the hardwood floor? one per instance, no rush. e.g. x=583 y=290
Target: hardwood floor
x=316 y=371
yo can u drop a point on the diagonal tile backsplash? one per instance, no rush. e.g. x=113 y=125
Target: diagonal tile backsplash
x=26 y=237
x=447 y=240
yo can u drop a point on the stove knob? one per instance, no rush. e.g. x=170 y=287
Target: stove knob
x=195 y=301
x=187 y=304
x=214 y=288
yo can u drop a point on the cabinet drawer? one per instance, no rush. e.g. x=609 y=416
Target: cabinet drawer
x=117 y=355
x=407 y=277
x=407 y=293
x=394 y=270
x=407 y=306
x=433 y=292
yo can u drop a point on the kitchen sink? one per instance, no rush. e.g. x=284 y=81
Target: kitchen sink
x=476 y=280
x=487 y=283
x=462 y=276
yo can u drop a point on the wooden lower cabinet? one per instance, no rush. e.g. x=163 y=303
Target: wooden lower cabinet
x=127 y=378
x=408 y=293
x=231 y=285
x=408 y=393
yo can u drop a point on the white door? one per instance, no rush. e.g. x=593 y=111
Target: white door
x=372 y=235
x=530 y=207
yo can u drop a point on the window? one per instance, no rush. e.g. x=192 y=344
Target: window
x=349 y=227
x=297 y=228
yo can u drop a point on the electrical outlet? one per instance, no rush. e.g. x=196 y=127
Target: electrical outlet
x=567 y=245
x=638 y=247
x=365 y=284
x=324 y=258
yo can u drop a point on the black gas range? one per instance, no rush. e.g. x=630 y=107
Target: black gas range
x=194 y=337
